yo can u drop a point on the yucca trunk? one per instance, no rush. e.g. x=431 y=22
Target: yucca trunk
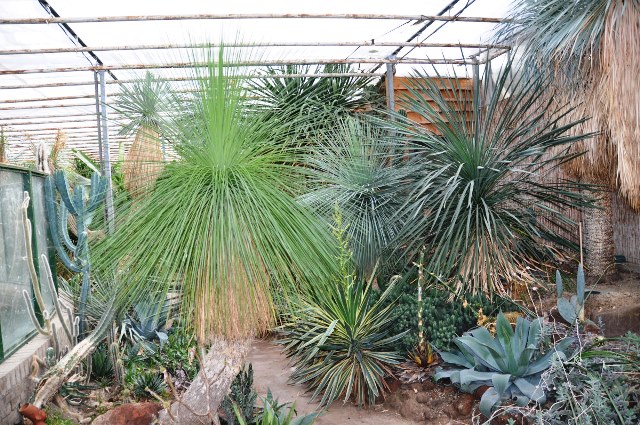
x=200 y=403
x=598 y=237
x=143 y=162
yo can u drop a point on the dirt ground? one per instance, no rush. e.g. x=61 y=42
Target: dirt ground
x=271 y=371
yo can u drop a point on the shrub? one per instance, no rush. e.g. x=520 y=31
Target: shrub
x=241 y=401
x=443 y=319
x=340 y=339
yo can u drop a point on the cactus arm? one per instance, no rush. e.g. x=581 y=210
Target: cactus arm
x=64 y=216
x=44 y=265
x=82 y=305
x=62 y=185
x=52 y=212
x=32 y=313
x=97 y=192
x=26 y=231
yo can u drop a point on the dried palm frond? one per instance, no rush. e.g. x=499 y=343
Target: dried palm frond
x=619 y=92
x=143 y=162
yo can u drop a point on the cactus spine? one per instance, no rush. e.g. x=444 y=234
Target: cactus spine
x=74 y=203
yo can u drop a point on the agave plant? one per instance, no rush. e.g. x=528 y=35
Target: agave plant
x=339 y=338
x=351 y=167
x=510 y=364
x=479 y=202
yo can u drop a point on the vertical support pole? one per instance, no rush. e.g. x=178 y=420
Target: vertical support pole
x=97 y=95
x=106 y=160
x=391 y=102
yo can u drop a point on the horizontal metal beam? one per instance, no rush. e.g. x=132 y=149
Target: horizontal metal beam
x=87 y=119
x=91 y=19
x=368 y=43
x=9 y=130
x=45 y=99
x=64 y=105
x=177 y=79
x=409 y=61
x=35 y=117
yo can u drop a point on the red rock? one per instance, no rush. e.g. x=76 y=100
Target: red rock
x=129 y=414
x=464 y=404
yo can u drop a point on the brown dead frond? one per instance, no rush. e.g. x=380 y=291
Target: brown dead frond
x=143 y=162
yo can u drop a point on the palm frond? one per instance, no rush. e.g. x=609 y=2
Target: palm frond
x=352 y=166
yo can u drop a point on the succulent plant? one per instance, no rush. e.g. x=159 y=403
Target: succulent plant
x=571 y=310
x=510 y=364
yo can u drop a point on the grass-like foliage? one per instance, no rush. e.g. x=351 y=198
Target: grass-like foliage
x=221 y=224
x=480 y=203
x=339 y=339
x=350 y=166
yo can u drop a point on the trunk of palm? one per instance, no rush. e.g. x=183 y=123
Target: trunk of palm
x=598 y=238
x=143 y=162
x=200 y=403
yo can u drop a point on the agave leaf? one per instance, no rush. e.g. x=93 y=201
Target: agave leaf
x=488 y=401
x=567 y=310
x=468 y=376
x=455 y=358
x=506 y=338
x=531 y=390
x=559 y=287
x=501 y=382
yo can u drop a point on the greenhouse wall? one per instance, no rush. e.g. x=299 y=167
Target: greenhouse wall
x=17 y=331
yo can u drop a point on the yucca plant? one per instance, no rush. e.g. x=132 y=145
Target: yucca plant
x=510 y=364
x=310 y=102
x=221 y=226
x=351 y=166
x=144 y=104
x=479 y=202
x=339 y=338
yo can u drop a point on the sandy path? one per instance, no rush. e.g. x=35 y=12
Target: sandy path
x=271 y=370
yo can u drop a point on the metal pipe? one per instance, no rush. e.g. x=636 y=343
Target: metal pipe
x=35 y=117
x=368 y=43
x=106 y=161
x=410 y=61
x=390 y=94
x=11 y=130
x=90 y=19
x=63 y=105
x=43 y=99
x=97 y=96
x=86 y=83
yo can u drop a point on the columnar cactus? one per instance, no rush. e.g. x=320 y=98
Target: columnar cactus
x=74 y=256
x=68 y=322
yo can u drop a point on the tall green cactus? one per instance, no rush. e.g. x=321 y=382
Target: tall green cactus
x=75 y=256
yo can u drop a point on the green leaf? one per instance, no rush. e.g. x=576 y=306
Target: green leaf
x=501 y=382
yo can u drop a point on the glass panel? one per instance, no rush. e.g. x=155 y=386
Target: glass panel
x=37 y=195
x=14 y=274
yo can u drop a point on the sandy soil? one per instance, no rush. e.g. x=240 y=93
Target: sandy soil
x=271 y=371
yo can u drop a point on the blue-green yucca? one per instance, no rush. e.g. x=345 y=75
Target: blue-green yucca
x=479 y=201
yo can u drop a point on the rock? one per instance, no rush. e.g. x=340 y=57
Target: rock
x=129 y=414
x=464 y=404
x=423 y=398
x=411 y=409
